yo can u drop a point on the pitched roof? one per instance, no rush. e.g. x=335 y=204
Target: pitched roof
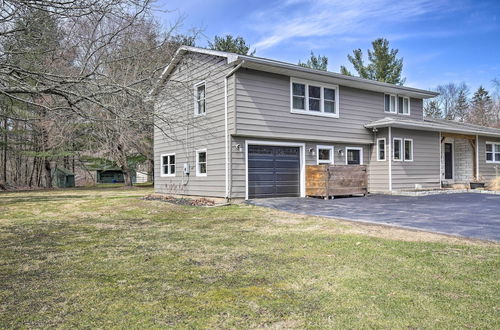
x=431 y=124
x=273 y=66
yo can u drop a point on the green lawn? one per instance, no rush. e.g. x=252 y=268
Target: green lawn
x=105 y=258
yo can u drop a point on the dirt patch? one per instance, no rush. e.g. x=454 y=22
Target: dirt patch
x=180 y=200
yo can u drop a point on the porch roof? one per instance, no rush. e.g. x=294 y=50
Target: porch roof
x=438 y=125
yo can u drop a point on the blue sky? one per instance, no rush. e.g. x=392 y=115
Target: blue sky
x=441 y=40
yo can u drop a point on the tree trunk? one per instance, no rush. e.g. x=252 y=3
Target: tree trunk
x=127 y=177
x=151 y=170
x=48 y=173
x=4 y=169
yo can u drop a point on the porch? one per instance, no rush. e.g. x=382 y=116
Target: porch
x=459 y=159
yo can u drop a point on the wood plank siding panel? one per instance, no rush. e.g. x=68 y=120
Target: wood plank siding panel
x=183 y=133
x=263 y=109
x=486 y=170
x=425 y=167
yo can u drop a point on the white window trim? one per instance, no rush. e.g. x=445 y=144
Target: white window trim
x=395 y=103
x=332 y=155
x=378 y=149
x=195 y=88
x=409 y=110
x=493 y=161
x=161 y=165
x=197 y=162
x=360 y=154
x=401 y=150
x=302 y=147
x=404 y=151
x=306 y=111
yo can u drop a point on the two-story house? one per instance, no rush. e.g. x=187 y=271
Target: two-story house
x=238 y=126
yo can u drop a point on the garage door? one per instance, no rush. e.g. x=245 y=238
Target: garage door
x=273 y=171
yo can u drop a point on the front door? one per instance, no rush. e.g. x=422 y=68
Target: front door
x=448 y=161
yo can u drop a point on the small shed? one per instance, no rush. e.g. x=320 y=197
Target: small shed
x=63 y=178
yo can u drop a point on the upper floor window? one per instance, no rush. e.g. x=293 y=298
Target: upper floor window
x=492 y=152
x=200 y=99
x=396 y=104
x=403 y=105
x=167 y=165
x=390 y=103
x=325 y=155
x=314 y=98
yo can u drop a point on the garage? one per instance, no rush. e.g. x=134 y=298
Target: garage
x=273 y=171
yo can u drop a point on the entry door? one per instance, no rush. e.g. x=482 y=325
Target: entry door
x=448 y=161
x=273 y=171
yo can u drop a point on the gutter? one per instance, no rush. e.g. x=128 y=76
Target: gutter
x=226 y=129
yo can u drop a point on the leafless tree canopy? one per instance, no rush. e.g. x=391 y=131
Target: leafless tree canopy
x=74 y=76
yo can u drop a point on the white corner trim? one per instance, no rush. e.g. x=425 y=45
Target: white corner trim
x=302 y=147
x=360 y=154
x=390 y=158
x=332 y=155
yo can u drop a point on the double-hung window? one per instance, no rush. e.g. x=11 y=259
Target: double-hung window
x=396 y=147
x=325 y=155
x=314 y=98
x=167 y=165
x=200 y=99
x=390 y=103
x=492 y=152
x=403 y=105
x=201 y=162
x=408 y=150
x=354 y=156
x=381 y=149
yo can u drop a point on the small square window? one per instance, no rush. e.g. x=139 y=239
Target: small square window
x=325 y=155
x=354 y=156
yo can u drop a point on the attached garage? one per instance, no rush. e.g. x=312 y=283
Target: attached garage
x=273 y=171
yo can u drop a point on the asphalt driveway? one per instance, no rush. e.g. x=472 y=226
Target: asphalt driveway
x=468 y=215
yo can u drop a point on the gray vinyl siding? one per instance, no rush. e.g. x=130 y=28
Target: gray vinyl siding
x=486 y=170
x=183 y=133
x=263 y=110
x=238 y=173
x=378 y=171
x=425 y=167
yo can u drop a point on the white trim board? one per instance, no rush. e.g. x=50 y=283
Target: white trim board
x=302 y=147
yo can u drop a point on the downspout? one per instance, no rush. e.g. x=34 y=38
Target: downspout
x=226 y=129
x=440 y=161
x=390 y=158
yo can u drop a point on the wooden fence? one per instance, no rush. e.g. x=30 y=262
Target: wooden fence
x=335 y=180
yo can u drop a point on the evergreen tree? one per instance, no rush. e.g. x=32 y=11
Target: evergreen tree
x=231 y=44
x=462 y=107
x=432 y=110
x=481 y=108
x=384 y=65
x=316 y=62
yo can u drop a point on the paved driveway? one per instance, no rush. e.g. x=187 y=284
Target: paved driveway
x=468 y=215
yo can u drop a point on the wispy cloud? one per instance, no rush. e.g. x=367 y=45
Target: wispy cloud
x=302 y=19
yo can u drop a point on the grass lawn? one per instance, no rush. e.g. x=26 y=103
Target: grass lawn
x=105 y=258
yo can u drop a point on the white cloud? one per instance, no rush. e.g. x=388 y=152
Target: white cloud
x=348 y=18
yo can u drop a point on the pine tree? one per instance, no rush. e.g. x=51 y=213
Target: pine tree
x=462 y=107
x=316 y=62
x=432 y=110
x=481 y=108
x=384 y=65
x=231 y=44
